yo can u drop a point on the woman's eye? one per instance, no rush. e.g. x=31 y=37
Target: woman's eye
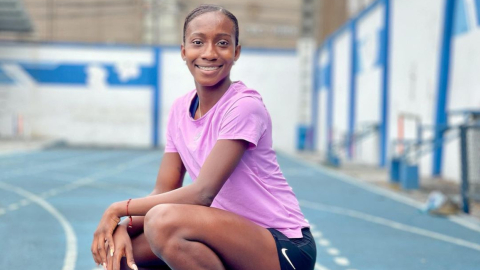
x=197 y=42
x=223 y=43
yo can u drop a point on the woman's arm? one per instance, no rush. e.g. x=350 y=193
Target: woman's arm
x=218 y=166
x=220 y=163
x=169 y=177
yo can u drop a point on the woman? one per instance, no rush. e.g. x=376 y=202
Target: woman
x=239 y=213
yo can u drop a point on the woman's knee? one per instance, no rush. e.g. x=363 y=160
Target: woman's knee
x=162 y=224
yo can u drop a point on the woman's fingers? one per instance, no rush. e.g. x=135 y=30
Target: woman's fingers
x=129 y=257
x=111 y=244
x=110 y=262
x=95 y=251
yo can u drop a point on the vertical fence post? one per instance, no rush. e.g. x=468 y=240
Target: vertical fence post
x=442 y=91
x=464 y=168
x=385 y=89
x=155 y=98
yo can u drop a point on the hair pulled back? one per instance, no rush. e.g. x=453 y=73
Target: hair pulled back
x=202 y=9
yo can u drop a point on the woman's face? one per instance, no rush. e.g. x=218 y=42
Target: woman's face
x=209 y=49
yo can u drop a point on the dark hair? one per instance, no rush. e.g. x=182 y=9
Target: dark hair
x=202 y=9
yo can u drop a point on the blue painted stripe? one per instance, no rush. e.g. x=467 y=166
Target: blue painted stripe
x=77 y=74
x=353 y=84
x=330 y=98
x=383 y=147
x=155 y=98
x=461 y=18
x=381 y=52
x=442 y=92
x=477 y=10
x=60 y=74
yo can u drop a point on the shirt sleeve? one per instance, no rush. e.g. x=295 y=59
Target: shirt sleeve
x=171 y=128
x=245 y=120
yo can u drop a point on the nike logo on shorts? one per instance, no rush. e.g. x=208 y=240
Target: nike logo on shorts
x=288 y=259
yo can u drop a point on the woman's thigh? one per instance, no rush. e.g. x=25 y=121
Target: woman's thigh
x=239 y=243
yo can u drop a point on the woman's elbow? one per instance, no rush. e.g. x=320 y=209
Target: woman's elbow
x=204 y=196
x=205 y=199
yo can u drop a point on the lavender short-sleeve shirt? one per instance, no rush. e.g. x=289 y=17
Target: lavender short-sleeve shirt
x=257 y=189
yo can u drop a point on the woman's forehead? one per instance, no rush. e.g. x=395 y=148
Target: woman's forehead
x=210 y=21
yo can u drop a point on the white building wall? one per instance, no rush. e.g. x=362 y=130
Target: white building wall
x=341 y=88
x=322 y=97
x=464 y=91
x=88 y=113
x=96 y=112
x=416 y=33
x=368 y=83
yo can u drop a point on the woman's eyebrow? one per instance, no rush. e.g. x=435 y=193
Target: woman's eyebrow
x=204 y=35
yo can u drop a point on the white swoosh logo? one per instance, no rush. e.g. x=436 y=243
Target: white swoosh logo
x=288 y=259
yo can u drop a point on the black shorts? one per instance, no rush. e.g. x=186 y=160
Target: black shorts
x=296 y=253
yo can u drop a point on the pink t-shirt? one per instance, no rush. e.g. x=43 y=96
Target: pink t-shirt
x=257 y=189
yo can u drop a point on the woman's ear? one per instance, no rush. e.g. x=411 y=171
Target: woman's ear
x=238 y=49
x=182 y=51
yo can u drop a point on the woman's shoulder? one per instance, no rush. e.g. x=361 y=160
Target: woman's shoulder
x=245 y=99
x=244 y=94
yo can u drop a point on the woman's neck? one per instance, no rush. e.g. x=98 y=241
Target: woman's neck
x=209 y=95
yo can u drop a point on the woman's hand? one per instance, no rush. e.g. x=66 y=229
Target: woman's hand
x=123 y=248
x=103 y=236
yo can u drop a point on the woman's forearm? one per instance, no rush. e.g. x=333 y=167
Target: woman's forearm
x=191 y=194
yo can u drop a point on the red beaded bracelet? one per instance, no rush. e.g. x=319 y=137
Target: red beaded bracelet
x=130 y=224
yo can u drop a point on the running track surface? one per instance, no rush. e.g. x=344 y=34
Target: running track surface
x=51 y=201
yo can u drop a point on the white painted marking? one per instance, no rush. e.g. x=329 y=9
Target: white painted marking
x=320 y=267
x=342 y=261
x=333 y=251
x=2 y=211
x=389 y=223
x=324 y=242
x=24 y=202
x=470 y=223
x=13 y=207
x=71 y=239
x=316 y=234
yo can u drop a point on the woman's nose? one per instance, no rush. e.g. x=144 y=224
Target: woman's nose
x=210 y=52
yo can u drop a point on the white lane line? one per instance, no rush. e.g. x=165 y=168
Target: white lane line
x=2 y=211
x=320 y=267
x=342 y=261
x=89 y=180
x=324 y=242
x=71 y=239
x=470 y=223
x=389 y=223
x=316 y=234
x=24 y=202
x=313 y=231
x=13 y=206
x=333 y=251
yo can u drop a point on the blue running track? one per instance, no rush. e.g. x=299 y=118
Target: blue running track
x=51 y=201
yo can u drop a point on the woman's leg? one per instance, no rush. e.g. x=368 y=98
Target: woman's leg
x=189 y=237
x=143 y=256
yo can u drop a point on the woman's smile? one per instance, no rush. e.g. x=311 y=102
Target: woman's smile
x=208 y=68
